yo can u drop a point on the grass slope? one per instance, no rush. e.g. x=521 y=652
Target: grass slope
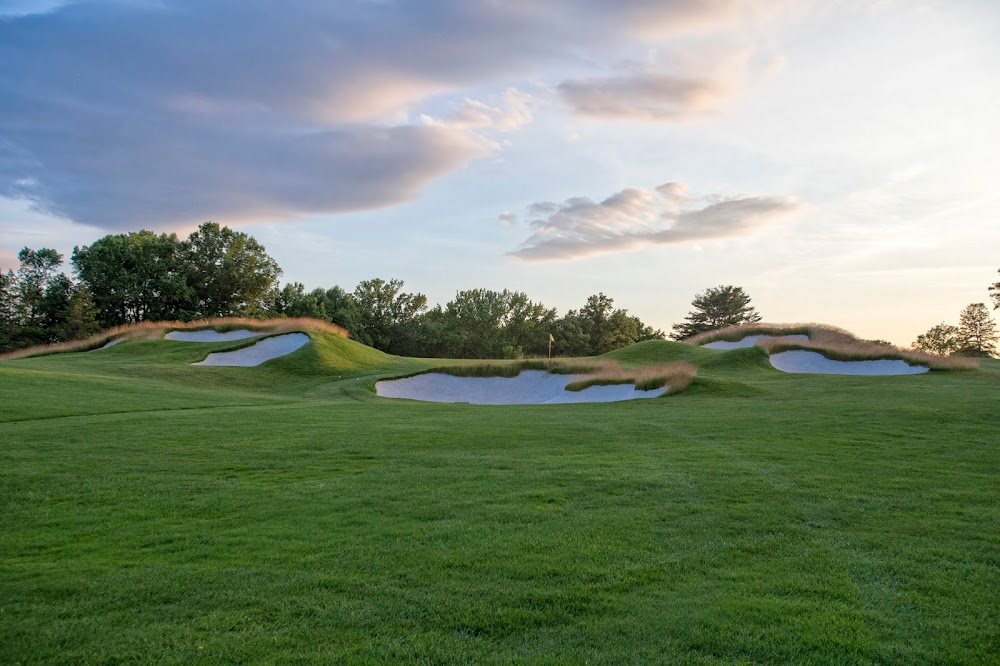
x=155 y=511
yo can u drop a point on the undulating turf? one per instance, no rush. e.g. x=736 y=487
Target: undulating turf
x=155 y=511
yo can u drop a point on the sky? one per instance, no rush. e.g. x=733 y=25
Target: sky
x=835 y=158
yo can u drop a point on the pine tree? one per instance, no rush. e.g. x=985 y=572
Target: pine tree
x=977 y=332
x=717 y=308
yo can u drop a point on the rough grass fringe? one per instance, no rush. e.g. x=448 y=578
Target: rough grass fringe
x=673 y=376
x=155 y=330
x=834 y=343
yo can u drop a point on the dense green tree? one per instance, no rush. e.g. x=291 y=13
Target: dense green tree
x=386 y=316
x=607 y=328
x=595 y=317
x=977 y=332
x=718 y=307
x=481 y=323
x=340 y=307
x=293 y=301
x=941 y=339
x=570 y=336
x=38 y=288
x=8 y=305
x=230 y=273
x=431 y=335
x=137 y=276
x=475 y=323
x=40 y=305
x=80 y=320
x=527 y=324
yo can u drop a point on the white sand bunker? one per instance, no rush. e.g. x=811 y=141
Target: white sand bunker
x=209 y=335
x=531 y=387
x=111 y=343
x=812 y=362
x=749 y=341
x=264 y=350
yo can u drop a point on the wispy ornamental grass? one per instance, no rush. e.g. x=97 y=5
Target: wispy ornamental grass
x=675 y=377
x=815 y=332
x=834 y=343
x=150 y=330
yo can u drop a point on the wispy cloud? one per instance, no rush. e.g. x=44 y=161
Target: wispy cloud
x=513 y=112
x=636 y=217
x=643 y=96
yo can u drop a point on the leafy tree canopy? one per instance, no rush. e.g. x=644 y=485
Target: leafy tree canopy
x=230 y=273
x=39 y=304
x=941 y=339
x=384 y=314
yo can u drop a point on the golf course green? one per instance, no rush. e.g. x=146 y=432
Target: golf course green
x=159 y=511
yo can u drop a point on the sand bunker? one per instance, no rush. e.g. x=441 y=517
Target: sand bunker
x=531 y=387
x=812 y=362
x=749 y=341
x=111 y=343
x=264 y=350
x=209 y=335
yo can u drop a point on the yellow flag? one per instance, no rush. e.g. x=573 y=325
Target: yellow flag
x=551 y=339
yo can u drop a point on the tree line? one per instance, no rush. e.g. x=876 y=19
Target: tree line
x=217 y=272
x=975 y=335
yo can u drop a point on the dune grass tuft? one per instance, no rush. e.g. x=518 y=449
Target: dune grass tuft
x=674 y=377
x=155 y=330
x=831 y=341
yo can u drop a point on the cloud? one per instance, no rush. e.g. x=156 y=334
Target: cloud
x=643 y=96
x=680 y=85
x=129 y=113
x=636 y=217
x=183 y=177
x=507 y=219
x=14 y=8
x=513 y=113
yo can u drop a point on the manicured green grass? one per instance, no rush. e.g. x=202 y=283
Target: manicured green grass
x=159 y=512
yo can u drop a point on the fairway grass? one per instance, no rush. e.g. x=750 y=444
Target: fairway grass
x=159 y=512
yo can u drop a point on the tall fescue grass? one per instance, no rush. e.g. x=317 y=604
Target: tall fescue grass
x=834 y=343
x=676 y=376
x=155 y=330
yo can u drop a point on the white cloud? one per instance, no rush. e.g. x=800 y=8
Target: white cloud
x=511 y=114
x=636 y=217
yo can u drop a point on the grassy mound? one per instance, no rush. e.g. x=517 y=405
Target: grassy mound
x=156 y=331
x=834 y=343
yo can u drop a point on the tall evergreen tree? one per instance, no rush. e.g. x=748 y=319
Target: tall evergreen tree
x=715 y=308
x=977 y=332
